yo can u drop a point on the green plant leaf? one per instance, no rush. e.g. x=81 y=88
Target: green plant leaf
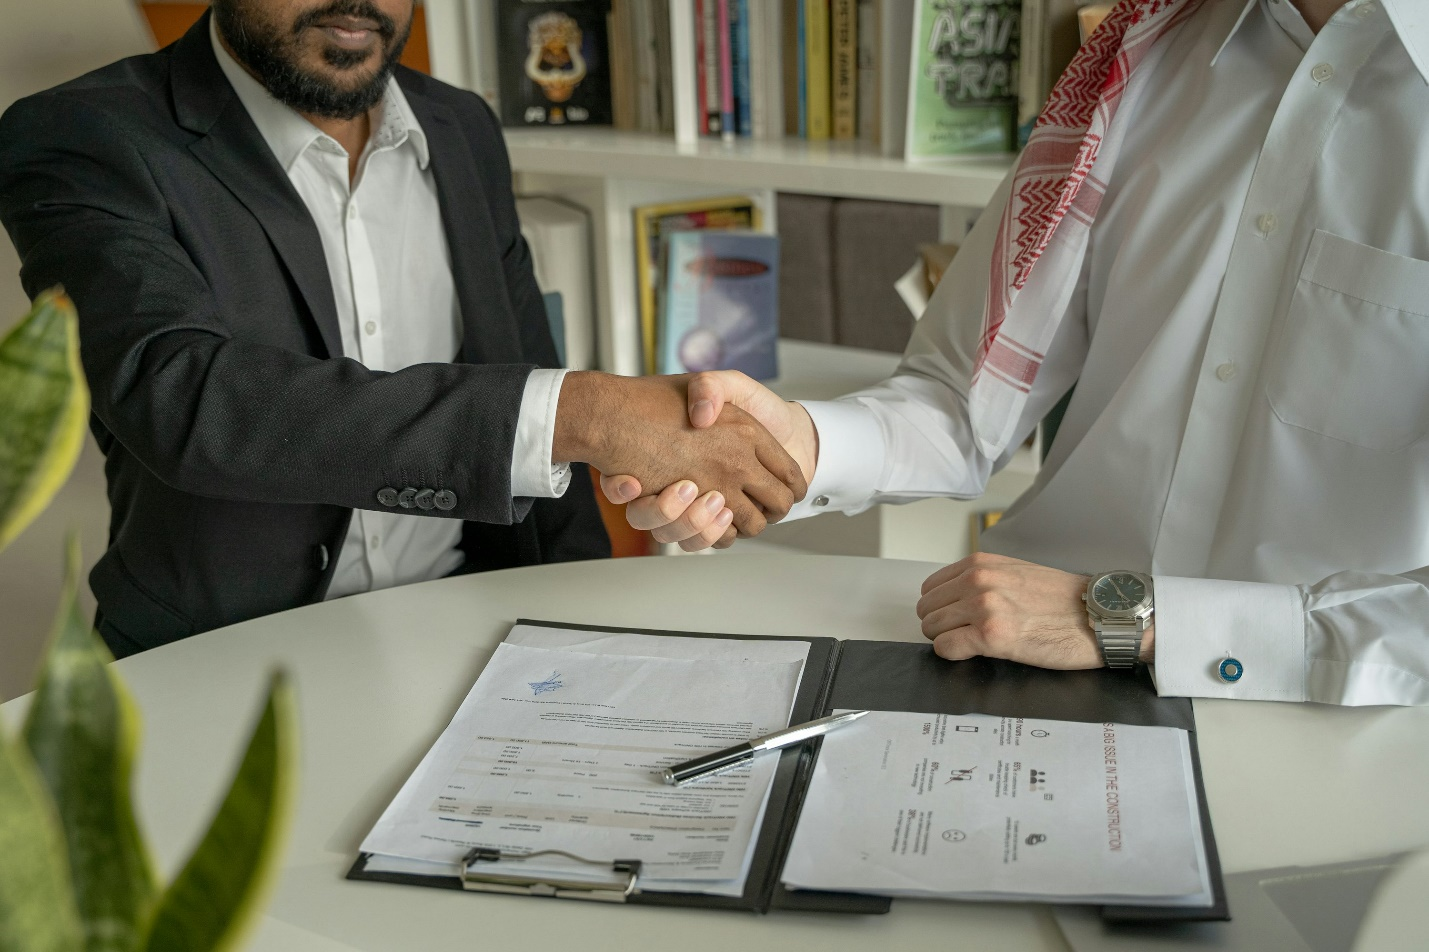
x=46 y=405
x=216 y=897
x=37 y=911
x=82 y=730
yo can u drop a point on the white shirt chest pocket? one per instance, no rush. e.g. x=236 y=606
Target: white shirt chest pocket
x=1353 y=353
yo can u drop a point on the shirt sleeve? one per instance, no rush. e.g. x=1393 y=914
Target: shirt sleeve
x=910 y=437
x=1353 y=638
x=532 y=472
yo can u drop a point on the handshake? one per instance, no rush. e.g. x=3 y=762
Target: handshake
x=666 y=438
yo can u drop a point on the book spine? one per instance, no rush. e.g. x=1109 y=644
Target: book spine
x=703 y=120
x=759 y=65
x=844 y=31
x=803 y=44
x=773 y=85
x=868 y=91
x=726 y=73
x=791 y=58
x=743 y=81
x=711 y=66
x=816 y=45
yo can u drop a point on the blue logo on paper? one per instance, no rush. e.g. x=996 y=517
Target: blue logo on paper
x=552 y=683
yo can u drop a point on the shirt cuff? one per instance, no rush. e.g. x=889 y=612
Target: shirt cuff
x=1202 y=622
x=851 y=452
x=532 y=472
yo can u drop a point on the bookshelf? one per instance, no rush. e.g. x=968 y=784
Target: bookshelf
x=610 y=172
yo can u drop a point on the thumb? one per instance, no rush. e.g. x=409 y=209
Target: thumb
x=709 y=391
x=619 y=489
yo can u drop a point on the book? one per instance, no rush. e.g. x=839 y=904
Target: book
x=652 y=223
x=962 y=96
x=554 y=62
x=895 y=46
x=766 y=75
x=721 y=303
x=622 y=77
x=843 y=32
x=869 y=92
x=726 y=71
x=1050 y=37
x=707 y=54
x=791 y=65
x=816 y=69
x=741 y=66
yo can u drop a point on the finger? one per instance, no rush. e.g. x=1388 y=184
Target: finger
x=654 y=512
x=779 y=483
x=696 y=518
x=958 y=645
x=945 y=574
x=717 y=530
x=749 y=518
x=962 y=614
x=620 y=489
x=727 y=540
x=707 y=394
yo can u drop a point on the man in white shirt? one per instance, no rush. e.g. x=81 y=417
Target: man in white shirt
x=1247 y=335
x=318 y=357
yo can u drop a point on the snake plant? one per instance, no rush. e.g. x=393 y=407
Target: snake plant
x=75 y=874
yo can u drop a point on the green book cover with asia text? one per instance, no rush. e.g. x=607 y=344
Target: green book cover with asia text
x=962 y=96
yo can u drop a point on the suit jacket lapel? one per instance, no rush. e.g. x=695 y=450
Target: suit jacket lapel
x=489 y=332
x=232 y=148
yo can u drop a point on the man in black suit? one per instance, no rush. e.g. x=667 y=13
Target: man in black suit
x=318 y=358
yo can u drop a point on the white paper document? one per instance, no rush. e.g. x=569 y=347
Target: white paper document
x=560 y=743
x=981 y=807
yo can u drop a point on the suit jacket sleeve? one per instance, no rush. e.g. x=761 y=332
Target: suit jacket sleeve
x=568 y=528
x=206 y=412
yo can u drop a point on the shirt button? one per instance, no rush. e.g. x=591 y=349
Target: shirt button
x=352 y=208
x=1226 y=370
x=373 y=542
x=1322 y=72
x=1267 y=224
x=370 y=327
x=821 y=501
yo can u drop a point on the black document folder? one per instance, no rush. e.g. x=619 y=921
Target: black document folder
x=903 y=676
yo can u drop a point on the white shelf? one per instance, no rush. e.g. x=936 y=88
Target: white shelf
x=845 y=169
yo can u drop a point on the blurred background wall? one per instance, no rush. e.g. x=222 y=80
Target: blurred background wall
x=43 y=44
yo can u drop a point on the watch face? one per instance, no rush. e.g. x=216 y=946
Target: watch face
x=1119 y=592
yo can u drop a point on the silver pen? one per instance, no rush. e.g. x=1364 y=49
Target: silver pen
x=722 y=760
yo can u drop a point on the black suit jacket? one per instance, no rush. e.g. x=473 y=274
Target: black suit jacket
x=238 y=439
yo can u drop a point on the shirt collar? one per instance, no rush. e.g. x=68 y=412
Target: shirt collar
x=1410 y=19
x=289 y=135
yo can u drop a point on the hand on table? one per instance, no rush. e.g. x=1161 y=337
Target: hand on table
x=998 y=607
x=640 y=426
x=675 y=514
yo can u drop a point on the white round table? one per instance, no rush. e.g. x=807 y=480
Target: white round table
x=378 y=676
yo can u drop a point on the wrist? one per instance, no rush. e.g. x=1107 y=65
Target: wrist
x=1148 y=644
x=578 y=434
x=804 y=445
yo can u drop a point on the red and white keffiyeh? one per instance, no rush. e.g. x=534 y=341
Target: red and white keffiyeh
x=1056 y=191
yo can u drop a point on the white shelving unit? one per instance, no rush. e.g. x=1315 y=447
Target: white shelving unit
x=610 y=172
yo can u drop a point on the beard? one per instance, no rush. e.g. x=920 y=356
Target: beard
x=273 y=50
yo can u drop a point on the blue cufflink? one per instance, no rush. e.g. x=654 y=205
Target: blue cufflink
x=1230 y=670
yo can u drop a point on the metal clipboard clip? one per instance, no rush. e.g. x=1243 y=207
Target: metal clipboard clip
x=542 y=885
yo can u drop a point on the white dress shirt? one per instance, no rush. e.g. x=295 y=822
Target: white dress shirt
x=391 y=276
x=1250 y=347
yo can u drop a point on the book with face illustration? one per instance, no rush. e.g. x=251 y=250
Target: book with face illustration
x=554 y=60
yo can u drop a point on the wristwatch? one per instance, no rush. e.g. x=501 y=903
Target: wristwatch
x=1119 y=608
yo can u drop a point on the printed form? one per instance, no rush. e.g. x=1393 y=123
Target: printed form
x=981 y=807
x=560 y=743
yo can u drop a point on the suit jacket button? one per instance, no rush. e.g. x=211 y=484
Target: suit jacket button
x=407 y=498
x=424 y=498
x=445 y=500
x=387 y=496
